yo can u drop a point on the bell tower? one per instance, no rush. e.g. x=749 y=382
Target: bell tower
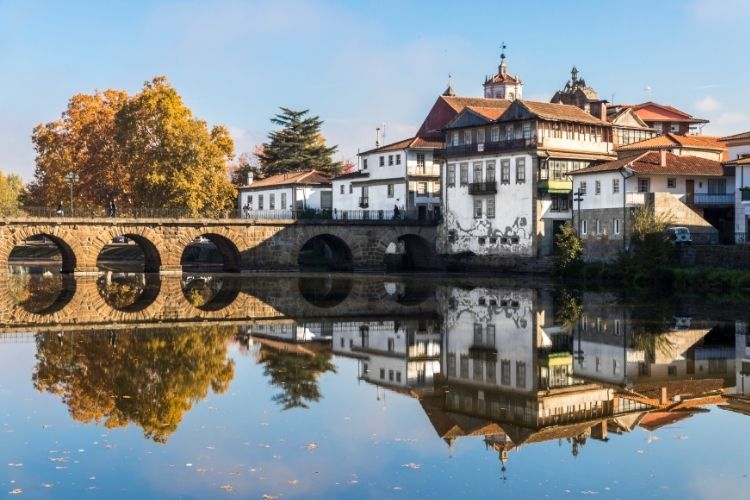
x=503 y=85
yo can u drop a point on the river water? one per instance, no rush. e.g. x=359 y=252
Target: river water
x=209 y=386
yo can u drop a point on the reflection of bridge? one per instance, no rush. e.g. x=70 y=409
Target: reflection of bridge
x=82 y=305
x=243 y=243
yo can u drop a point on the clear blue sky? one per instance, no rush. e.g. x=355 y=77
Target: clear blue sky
x=359 y=64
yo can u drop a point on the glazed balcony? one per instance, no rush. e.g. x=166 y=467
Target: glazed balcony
x=487 y=187
x=489 y=147
x=708 y=200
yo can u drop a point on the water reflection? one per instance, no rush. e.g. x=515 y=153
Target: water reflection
x=128 y=291
x=511 y=365
x=39 y=290
x=150 y=379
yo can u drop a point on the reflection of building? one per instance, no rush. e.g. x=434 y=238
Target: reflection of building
x=401 y=355
x=291 y=331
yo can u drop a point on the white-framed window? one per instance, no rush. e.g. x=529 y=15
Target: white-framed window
x=505 y=171
x=260 y=202
x=451 y=180
x=272 y=201
x=480 y=136
x=582 y=187
x=644 y=185
x=671 y=182
x=464 y=180
x=615 y=186
x=420 y=161
x=509 y=132
x=598 y=188
x=489 y=174
x=382 y=161
x=495 y=134
x=584 y=227
x=422 y=188
x=454 y=138
x=398 y=159
x=675 y=128
x=477 y=171
x=477 y=208
x=616 y=226
x=527 y=130
x=364 y=164
x=341 y=189
x=491 y=208
x=520 y=170
x=283 y=201
x=390 y=190
x=351 y=188
x=467 y=136
x=598 y=227
x=390 y=160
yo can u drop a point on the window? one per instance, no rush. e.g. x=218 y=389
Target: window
x=671 y=183
x=390 y=190
x=582 y=187
x=382 y=374
x=509 y=132
x=467 y=136
x=505 y=372
x=675 y=128
x=489 y=174
x=341 y=189
x=420 y=161
x=616 y=225
x=283 y=201
x=454 y=138
x=464 y=366
x=271 y=201
x=560 y=203
x=451 y=175
x=382 y=161
x=643 y=185
x=598 y=187
x=260 y=202
x=520 y=374
x=615 y=186
x=390 y=160
x=351 y=188
x=398 y=159
x=364 y=164
x=390 y=375
x=480 y=136
x=477 y=208
x=464 y=180
x=527 y=130
x=495 y=134
x=250 y=201
x=477 y=171
x=520 y=170
x=422 y=188
x=326 y=200
x=451 y=364
x=391 y=345
x=491 y=208
x=598 y=227
x=505 y=171
x=717 y=186
x=584 y=227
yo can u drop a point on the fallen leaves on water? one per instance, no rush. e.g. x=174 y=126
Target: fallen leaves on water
x=293 y=481
x=228 y=488
x=269 y=497
x=48 y=485
x=312 y=446
x=15 y=491
x=681 y=437
x=412 y=465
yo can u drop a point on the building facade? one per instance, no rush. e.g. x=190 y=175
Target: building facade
x=739 y=160
x=286 y=194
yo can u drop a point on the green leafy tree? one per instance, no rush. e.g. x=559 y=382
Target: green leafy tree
x=650 y=245
x=147 y=378
x=569 y=249
x=11 y=190
x=296 y=145
x=174 y=159
x=296 y=374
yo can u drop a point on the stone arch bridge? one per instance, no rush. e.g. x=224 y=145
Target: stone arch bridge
x=245 y=244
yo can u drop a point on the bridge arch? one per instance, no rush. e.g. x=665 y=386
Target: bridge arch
x=325 y=251
x=410 y=252
x=226 y=248
x=144 y=240
x=11 y=250
x=325 y=291
x=128 y=292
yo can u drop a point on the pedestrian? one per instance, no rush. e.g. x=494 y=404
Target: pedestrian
x=246 y=209
x=112 y=209
x=60 y=212
x=396 y=212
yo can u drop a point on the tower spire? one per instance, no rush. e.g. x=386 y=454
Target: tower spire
x=502 y=67
x=449 y=89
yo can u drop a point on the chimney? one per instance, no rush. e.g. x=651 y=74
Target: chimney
x=663 y=157
x=603 y=111
x=249 y=178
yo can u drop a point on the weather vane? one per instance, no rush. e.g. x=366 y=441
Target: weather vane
x=502 y=50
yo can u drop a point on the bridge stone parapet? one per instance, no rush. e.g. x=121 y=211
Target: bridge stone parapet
x=246 y=244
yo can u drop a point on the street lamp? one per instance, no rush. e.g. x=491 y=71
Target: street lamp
x=71 y=178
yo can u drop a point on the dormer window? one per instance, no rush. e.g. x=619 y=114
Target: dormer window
x=467 y=136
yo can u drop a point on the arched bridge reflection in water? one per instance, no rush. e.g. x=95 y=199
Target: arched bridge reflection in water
x=53 y=300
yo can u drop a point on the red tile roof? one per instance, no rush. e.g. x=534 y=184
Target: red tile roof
x=651 y=111
x=737 y=137
x=739 y=161
x=304 y=177
x=561 y=112
x=351 y=175
x=650 y=163
x=669 y=141
x=487 y=112
x=410 y=143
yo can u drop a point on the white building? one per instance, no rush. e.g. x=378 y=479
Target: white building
x=688 y=189
x=739 y=159
x=506 y=185
x=404 y=174
x=285 y=195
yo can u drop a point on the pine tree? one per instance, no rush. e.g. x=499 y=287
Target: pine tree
x=297 y=145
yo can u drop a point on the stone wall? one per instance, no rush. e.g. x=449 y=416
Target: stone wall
x=727 y=256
